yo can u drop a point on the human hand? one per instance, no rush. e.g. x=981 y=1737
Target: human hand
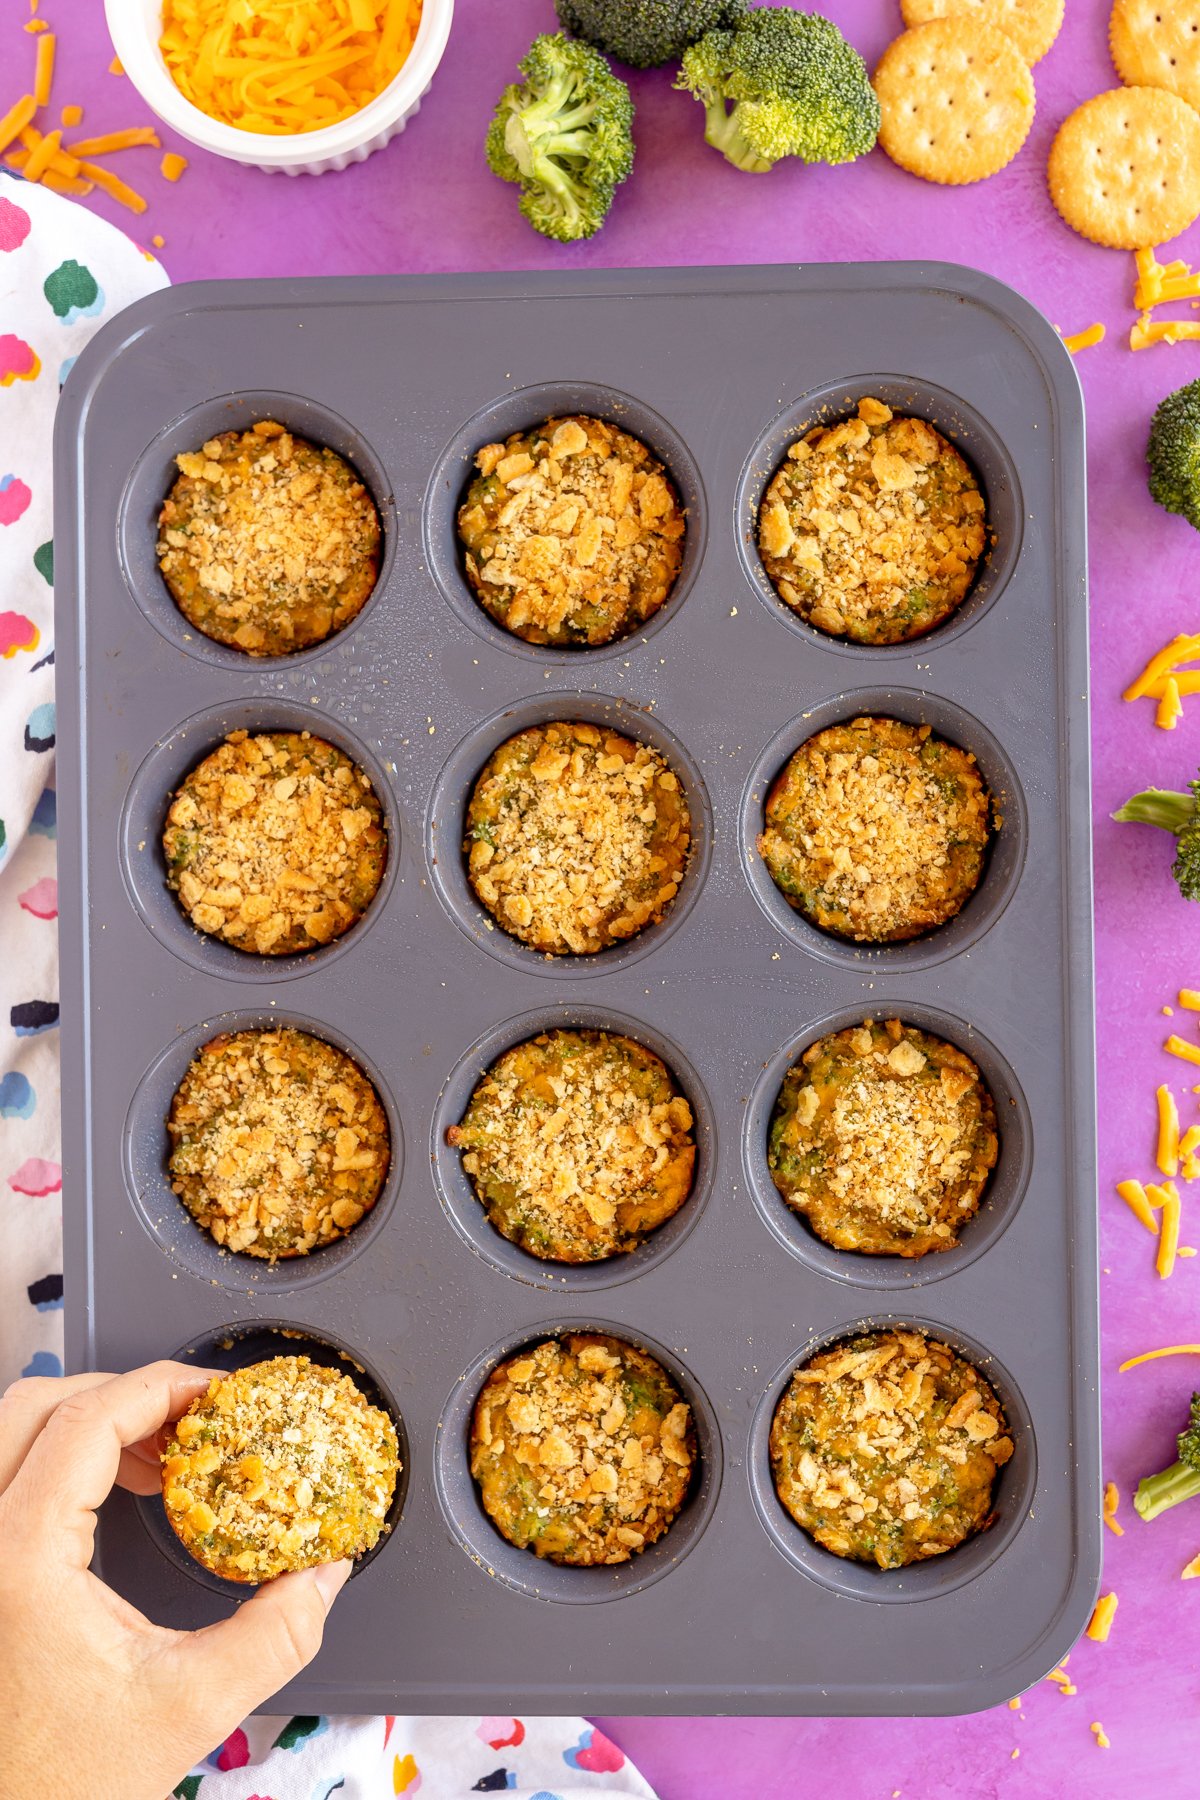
x=94 y=1698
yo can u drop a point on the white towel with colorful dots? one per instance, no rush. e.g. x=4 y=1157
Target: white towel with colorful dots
x=62 y=274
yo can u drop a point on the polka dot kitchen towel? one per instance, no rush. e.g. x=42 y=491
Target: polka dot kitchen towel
x=62 y=274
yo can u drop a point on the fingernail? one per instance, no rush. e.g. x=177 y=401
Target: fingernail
x=329 y=1579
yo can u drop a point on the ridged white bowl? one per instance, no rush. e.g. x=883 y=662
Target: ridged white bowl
x=135 y=27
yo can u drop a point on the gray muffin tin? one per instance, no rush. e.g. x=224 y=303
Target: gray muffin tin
x=735 y=1609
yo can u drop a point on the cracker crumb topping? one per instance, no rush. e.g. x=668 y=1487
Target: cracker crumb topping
x=876 y=829
x=583 y=1449
x=873 y=527
x=279 y=1142
x=577 y=1144
x=577 y=837
x=267 y=542
x=884 y=1137
x=573 y=532
x=885 y=1448
x=275 y=842
x=280 y=1465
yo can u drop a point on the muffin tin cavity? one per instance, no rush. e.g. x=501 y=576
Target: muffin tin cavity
x=1003 y=861
x=521 y=1570
x=233 y=1347
x=1006 y=1186
x=969 y=433
x=154 y=473
x=520 y=411
x=146 y=1149
x=463 y=1208
x=445 y=826
x=1012 y=1496
x=143 y=816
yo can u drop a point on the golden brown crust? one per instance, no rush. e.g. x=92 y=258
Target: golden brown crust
x=573 y=532
x=885 y=1448
x=876 y=830
x=279 y=1142
x=577 y=837
x=583 y=1449
x=873 y=527
x=578 y=1145
x=275 y=842
x=266 y=542
x=883 y=1137
x=280 y=1465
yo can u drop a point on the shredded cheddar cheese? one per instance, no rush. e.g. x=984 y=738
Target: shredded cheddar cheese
x=129 y=139
x=44 y=69
x=1149 y=331
x=1014 y=1705
x=71 y=115
x=116 y=67
x=1159 y=282
x=1181 y=648
x=16 y=119
x=173 y=165
x=41 y=157
x=1168 y=1238
x=1101 y=1620
x=1083 y=340
x=1192 y=1569
x=1153 y=1355
x=1168 y=1132
x=109 y=184
x=1176 y=1046
x=1170 y=711
x=1134 y=1196
x=1112 y=1501
x=1100 y=1735
x=1189 y=999
x=285 y=66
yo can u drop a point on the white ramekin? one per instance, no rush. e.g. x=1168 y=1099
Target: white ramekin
x=135 y=27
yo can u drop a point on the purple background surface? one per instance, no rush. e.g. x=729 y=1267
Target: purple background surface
x=428 y=203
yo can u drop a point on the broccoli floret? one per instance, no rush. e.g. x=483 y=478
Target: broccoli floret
x=1173 y=453
x=564 y=136
x=1181 y=1481
x=782 y=83
x=645 y=33
x=1178 y=814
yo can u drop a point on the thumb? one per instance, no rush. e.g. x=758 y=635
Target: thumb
x=229 y=1670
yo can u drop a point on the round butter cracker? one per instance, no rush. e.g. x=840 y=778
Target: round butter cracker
x=1125 y=167
x=1032 y=25
x=1156 y=43
x=956 y=99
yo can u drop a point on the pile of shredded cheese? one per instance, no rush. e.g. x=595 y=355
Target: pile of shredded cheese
x=1166 y=680
x=1157 y=285
x=284 y=66
x=68 y=168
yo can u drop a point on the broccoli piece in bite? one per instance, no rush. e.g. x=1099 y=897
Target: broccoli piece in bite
x=1176 y=813
x=782 y=83
x=564 y=136
x=1173 y=453
x=1155 y=1493
x=645 y=33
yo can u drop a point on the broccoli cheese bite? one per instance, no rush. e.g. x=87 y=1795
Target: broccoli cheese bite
x=266 y=542
x=275 y=843
x=577 y=837
x=873 y=528
x=577 y=1144
x=876 y=830
x=583 y=1449
x=280 y=1465
x=279 y=1142
x=573 y=533
x=883 y=1138
x=885 y=1448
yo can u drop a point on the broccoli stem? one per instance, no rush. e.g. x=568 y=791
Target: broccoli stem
x=1156 y=806
x=1155 y=1493
x=723 y=132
